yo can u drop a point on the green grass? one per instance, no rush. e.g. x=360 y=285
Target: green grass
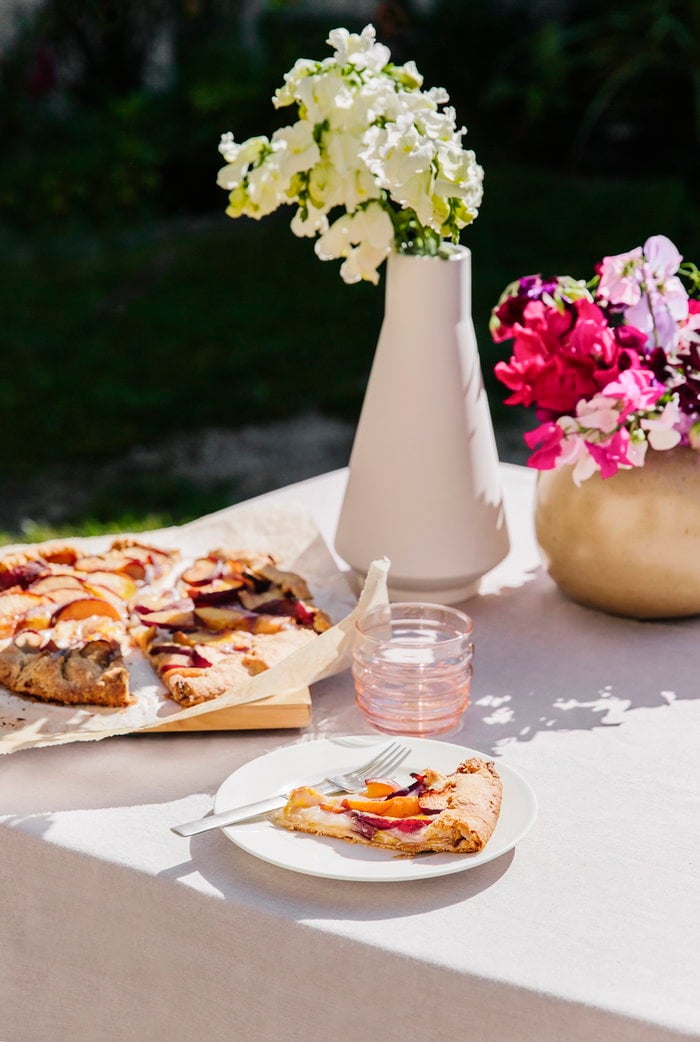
x=110 y=341
x=134 y=504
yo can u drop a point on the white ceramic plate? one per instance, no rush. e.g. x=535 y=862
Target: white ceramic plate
x=307 y=762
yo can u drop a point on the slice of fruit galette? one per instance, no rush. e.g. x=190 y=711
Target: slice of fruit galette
x=64 y=620
x=231 y=615
x=453 y=813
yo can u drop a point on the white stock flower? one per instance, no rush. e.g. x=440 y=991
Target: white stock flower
x=335 y=242
x=371 y=227
x=370 y=141
x=361 y=263
x=268 y=186
x=307 y=225
x=361 y=51
x=397 y=154
x=287 y=94
x=300 y=150
x=239 y=157
x=324 y=95
x=407 y=75
x=325 y=186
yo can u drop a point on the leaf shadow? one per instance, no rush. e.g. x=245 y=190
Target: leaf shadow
x=569 y=667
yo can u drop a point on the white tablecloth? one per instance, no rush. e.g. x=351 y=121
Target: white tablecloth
x=114 y=928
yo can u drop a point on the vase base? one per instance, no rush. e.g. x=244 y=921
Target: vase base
x=424 y=593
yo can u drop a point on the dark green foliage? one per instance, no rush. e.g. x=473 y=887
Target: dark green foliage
x=132 y=308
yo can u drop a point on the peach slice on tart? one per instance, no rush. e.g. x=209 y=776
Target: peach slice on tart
x=51 y=584
x=85 y=607
x=117 y=563
x=14 y=603
x=389 y=807
x=123 y=586
x=15 y=607
x=377 y=787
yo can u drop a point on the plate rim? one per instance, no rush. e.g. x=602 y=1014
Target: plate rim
x=402 y=873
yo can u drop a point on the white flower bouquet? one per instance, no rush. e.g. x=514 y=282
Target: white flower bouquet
x=373 y=163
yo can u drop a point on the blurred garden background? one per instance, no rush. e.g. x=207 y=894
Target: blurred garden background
x=159 y=360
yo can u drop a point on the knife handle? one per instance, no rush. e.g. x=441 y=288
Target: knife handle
x=229 y=817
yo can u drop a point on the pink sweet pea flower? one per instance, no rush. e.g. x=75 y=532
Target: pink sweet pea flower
x=599 y=413
x=637 y=389
x=546 y=441
x=619 y=277
x=663 y=301
x=592 y=337
x=612 y=454
x=541 y=372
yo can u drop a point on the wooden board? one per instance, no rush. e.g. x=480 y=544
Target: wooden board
x=291 y=709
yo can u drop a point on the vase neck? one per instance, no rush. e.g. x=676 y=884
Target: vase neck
x=432 y=284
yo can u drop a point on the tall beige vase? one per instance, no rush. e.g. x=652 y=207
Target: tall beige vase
x=424 y=486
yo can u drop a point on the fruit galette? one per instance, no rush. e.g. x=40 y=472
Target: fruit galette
x=454 y=813
x=68 y=619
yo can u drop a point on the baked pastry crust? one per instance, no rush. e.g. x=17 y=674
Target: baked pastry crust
x=456 y=813
x=92 y=672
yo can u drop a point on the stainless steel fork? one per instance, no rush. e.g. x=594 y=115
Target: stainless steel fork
x=350 y=781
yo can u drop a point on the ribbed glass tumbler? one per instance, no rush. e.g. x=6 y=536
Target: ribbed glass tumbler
x=412 y=665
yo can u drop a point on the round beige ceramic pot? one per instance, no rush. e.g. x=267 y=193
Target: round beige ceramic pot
x=630 y=544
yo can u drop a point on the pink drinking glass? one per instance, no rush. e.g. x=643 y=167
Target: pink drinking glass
x=412 y=665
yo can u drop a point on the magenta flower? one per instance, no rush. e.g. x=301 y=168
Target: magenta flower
x=609 y=376
x=612 y=454
x=546 y=441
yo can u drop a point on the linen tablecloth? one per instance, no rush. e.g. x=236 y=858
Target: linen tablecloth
x=114 y=928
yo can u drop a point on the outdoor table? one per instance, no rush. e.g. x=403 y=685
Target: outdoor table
x=114 y=928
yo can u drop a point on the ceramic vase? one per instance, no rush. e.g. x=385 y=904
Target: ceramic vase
x=424 y=486
x=630 y=544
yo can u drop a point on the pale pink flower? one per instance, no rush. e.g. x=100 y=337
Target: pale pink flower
x=599 y=413
x=575 y=451
x=662 y=427
x=620 y=277
x=663 y=301
x=689 y=333
x=636 y=451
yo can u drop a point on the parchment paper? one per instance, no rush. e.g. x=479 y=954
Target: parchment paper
x=288 y=531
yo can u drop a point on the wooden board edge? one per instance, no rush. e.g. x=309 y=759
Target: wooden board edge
x=286 y=710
